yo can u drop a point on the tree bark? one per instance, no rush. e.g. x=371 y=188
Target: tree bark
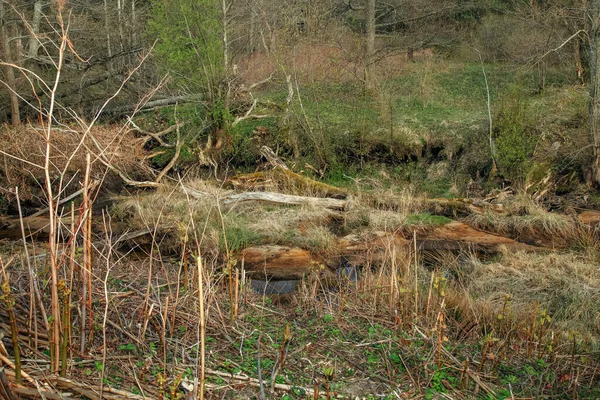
x=279 y=198
x=370 y=45
x=10 y=73
x=594 y=102
x=577 y=57
x=34 y=41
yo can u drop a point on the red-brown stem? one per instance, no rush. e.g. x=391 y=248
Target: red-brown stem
x=202 y=328
x=9 y=301
x=86 y=270
x=32 y=291
x=66 y=318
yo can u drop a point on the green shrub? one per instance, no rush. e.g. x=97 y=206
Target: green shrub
x=515 y=134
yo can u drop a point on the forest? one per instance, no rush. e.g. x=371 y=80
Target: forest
x=259 y=199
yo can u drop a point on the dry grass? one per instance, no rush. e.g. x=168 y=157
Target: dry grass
x=566 y=285
x=168 y=213
x=525 y=219
x=28 y=143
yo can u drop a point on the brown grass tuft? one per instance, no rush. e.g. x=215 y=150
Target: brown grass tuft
x=28 y=143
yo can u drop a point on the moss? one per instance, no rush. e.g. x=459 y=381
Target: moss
x=427 y=219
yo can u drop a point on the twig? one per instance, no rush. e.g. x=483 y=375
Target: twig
x=255 y=382
x=473 y=376
x=63 y=201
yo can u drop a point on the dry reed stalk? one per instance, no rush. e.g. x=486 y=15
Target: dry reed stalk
x=147 y=312
x=14 y=331
x=108 y=257
x=429 y=298
x=73 y=247
x=184 y=263
x=32 y=291
x=53 y=212
x=66 y=318
x=287 y=336
x=85 y=272
x=87 y=244
x=163 y=333
x=175 y=304
x=416 y=315
x=464 y=376
x=202 y=328
x=441 y=338
x=236 y=303
x=393 y=285
x=230 y=262
x=531 y=331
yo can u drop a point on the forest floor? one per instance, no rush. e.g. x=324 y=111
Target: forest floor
x=411 y=280
x=501 y=299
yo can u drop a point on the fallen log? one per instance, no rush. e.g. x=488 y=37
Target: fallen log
x=279 y=198
x=278 y=262
x=37 y=227
x=283 y=180
x=287 y=263
x=457 y=236
x=451 y=208
x=591 y=218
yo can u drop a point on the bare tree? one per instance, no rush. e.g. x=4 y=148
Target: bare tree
x=8 y=55
x=370 y=41
x=594 y=100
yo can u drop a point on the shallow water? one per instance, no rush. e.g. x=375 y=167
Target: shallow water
x=274 y=287
x=262 y=286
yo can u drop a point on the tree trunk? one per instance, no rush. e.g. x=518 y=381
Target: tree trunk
x=578 y=63
x=34 y=41
x=370 y=45
x=107 y=31
x=7 y=56
x=594 y=105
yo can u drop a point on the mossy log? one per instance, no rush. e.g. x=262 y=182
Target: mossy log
x=285 y=181
x=451 y=208
x=36 y=226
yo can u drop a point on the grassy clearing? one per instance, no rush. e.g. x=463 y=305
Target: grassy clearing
x=427 y=126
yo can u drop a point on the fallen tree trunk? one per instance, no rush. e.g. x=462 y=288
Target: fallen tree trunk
x=283 y=262
x=279 y=198
x=118 y=111
x=282 y=179
x=451 y=208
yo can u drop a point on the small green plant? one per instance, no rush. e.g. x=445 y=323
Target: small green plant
x=516 y=136
x=127 y=347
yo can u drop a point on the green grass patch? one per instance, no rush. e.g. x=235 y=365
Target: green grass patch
x=427 y=219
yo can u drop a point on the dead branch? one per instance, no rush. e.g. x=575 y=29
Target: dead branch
x=65 y=200
x=260 y=83
x=279 y=198
x=254 y=382
x=153 y=104
x=272 y=158
x=155 y=135
x=171 y=163
x=5 y=390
